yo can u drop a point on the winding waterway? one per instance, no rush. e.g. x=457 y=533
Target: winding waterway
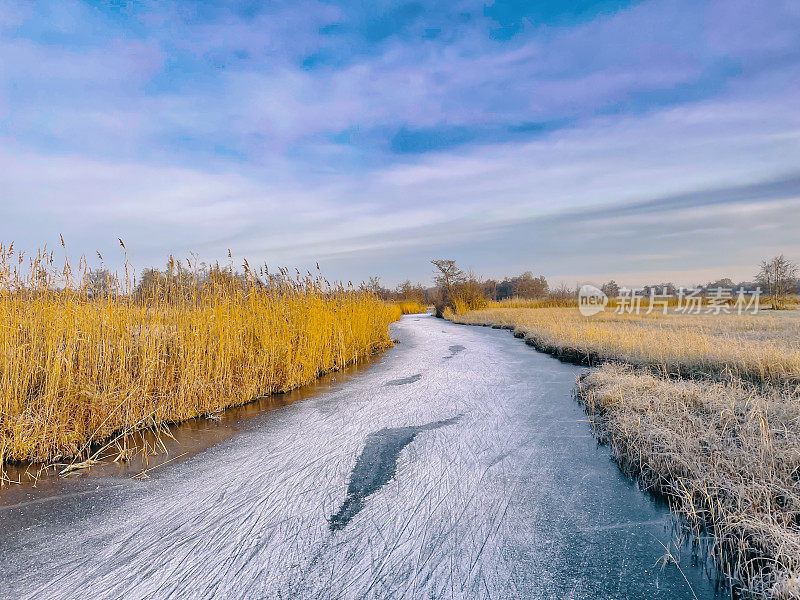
x=456 y=466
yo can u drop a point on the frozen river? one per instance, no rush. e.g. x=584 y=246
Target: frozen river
x=458 y=466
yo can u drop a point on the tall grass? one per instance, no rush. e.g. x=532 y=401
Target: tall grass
x=475 y=302
x=763 y=348
x=545 y=302
x=724 y=452
x=77 y=369
x=411 y=307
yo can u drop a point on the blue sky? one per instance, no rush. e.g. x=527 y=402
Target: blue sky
x=584 y=140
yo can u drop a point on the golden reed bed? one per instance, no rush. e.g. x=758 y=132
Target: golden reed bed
x=411 y=307
x=77 y=369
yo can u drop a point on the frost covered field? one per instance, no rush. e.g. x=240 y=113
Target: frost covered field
x=703 y=408
x=463 y=466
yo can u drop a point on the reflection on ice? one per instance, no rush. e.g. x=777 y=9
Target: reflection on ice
x=376 y=466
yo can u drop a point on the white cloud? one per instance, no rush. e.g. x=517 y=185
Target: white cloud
x=441 y=202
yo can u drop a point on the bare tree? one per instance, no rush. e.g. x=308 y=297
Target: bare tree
x=563 y=293
x=489 y=289
x=611 y=289
x=99 y=282
x=410 y=292
x=778 y=277
x=447 y=276
x=528 y=286
x=374 y=286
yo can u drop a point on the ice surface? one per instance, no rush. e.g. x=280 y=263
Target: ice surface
x=514 y=499
x=376 y=465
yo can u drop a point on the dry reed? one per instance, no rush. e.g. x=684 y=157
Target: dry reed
x=703 y=408
x=78 y=369
x=725 y=453
x=545 y=302
x=411 y=307
x=763 y=347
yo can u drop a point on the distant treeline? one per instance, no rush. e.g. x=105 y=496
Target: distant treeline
x=612 y=288
x=522 y=286
x=777 y=279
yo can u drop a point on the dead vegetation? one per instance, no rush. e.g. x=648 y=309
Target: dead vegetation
x=725 y=452
x=704 y=409
x=80 y=367
x=758 y=348
x=411 y=307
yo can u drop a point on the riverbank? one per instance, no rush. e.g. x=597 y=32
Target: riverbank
x=79 y=371
x=411 y=307
x=704 y=409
